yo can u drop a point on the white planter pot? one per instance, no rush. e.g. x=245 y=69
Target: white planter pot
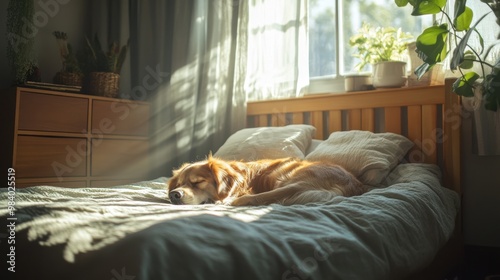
x=389 y=74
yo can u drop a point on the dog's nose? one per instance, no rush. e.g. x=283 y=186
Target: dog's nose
x=175 y=196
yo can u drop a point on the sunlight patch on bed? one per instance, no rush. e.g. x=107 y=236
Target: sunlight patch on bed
x=80 y=227
x=245 y=214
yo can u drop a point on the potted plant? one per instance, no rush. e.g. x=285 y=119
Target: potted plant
x=70 y=73
x=432 y=47
x=385 y=49
x=103 y=67
x=21 y=41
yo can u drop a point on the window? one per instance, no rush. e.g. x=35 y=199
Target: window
x=333 y=22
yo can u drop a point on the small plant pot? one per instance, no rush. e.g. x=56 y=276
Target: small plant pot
x=70 y=79
x=389 y=74
x=104 y=84
x=358 y=82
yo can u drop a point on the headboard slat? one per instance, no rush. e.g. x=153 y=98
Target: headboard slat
x=393 y=119
x=452 y=122
x=297 y=118
x=354 y=119
x=429 y=130
x=277 y=119
x=334 y=121
x=368 y=119
x=261 y=120
x=415 y=131
x=317 y=121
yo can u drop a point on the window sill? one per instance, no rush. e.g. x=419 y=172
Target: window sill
x=326 y=84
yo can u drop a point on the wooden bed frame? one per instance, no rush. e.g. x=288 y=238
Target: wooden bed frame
x=429 y=116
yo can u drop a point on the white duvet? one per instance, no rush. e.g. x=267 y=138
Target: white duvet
x=132 y=232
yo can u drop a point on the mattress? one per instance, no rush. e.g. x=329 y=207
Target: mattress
x=133 y=232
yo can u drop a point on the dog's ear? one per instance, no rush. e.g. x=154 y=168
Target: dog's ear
x=221 y=175
x=225 y=176
x=175 y=176
x=177 y=171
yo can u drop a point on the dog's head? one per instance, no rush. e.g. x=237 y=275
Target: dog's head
x=204 y=182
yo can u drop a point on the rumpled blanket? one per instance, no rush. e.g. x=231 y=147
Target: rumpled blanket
x=133 y=232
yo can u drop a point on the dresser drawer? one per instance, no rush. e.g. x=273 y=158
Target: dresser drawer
x=38 y=156
x=120 y=118
x=119 y=158
x=45 y=112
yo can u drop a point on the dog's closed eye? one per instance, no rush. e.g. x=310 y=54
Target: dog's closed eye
x=197 y=183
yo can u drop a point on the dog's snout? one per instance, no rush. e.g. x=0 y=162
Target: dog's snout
x=176 y=196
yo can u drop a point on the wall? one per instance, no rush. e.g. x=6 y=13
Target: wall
x=69 y=16
x=481 y=188
x=5 y=76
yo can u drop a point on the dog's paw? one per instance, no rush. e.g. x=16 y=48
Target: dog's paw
x=228 y=201
x=246 y=200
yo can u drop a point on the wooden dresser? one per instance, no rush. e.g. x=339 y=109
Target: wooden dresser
x=73 y=140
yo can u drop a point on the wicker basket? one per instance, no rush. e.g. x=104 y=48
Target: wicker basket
x=70 y=79
x=104 y=84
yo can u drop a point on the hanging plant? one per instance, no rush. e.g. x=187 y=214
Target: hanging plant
x=21 y=39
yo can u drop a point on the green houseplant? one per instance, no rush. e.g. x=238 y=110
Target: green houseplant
x=105 y=61
x=432 y=47
x=21 y=39
x=70 y=73
x=103 y=67
x=385 y=49
x=376 y=44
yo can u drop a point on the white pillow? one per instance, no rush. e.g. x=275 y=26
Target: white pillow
x=267 y=143
x=369 y=156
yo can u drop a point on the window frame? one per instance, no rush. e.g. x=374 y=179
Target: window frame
x=335 y=83
x=331 y=83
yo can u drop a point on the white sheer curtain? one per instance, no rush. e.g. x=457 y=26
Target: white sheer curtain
x=224 y=53
x=277 y=49
x=200 y=106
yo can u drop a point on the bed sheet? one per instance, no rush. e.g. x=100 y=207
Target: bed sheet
x=132 y=232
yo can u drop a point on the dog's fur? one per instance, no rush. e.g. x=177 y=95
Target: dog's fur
x=284 y=181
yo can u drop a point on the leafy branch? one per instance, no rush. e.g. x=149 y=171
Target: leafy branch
x=432 y=47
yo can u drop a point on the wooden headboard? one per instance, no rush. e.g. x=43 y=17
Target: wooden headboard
x=429 y=116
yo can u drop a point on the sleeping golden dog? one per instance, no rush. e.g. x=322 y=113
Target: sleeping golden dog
x=285 y=181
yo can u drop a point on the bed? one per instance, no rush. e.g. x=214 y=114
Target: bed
x=404 y=144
